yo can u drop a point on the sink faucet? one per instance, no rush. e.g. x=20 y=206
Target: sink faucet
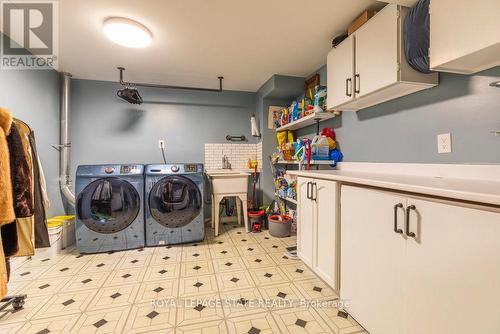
x=225 y=162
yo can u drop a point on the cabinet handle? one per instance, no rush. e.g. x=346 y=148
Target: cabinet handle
x=308 y=193
x=314 y=191
x=357 y=83
x=348 y=87
x=408 y=209
x=396 y=207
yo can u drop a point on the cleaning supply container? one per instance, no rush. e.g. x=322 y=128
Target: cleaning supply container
x=256 y=218
x=320 y=148
x=55 y=227
x=280 y=226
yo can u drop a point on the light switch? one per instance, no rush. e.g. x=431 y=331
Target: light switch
x=444 y=143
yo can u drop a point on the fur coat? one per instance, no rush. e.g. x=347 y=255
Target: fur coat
x=7 y=214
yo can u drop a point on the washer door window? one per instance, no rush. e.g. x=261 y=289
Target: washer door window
x=175 y=201
x=108 y=205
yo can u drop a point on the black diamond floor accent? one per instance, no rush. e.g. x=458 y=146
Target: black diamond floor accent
x=274 y=246
x=24 y=274
x=95 y=239
x=317 y=289
x=267 y=238
x=64 y=269
x=162 y=271
x=197 y=284
x=134 y=261
x=196 y=267
x=301 y=323
x=100 y=265
x=242 y=301
x=196 y=254
x=158 y=289
x=43 y=331
x=199 y=307
x=281 y=295
x=115 y=295
x=300 y=271
x=229 y=264
x=238 y=232
x=100 y=323
x=126 y=276
x=79 y=256
x=152 y=314
x=223 y=252
x=220 y=242
x=258 y=260
x=250 y=249
x=166 y=257
x=254 y=330
x=285 y=257
x=268 y=275
x=141 y=250
x=244 y=240
x=41 y=287
x=68 y=302
x=85 y=281
x=234 y=279
x=45 y=260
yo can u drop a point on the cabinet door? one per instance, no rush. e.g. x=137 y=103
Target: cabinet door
x=340 y=72
x=377 y=52
x=372 y=259
x=325 y=246
x=453 y=272
x=305 y=219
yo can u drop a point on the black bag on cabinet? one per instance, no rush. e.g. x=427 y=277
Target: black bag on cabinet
x=416 y=37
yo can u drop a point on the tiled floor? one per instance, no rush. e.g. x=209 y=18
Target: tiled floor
x=233 y=283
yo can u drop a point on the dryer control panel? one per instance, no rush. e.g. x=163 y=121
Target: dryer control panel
x=129 y=169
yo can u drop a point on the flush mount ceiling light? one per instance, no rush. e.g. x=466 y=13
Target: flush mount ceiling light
x=127 y=32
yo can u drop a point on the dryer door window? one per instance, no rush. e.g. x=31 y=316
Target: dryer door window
x=175 y=201
x=108 y=205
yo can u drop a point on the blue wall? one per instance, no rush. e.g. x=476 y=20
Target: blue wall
x=33 y=97
x=405 y=129
x=107 y=129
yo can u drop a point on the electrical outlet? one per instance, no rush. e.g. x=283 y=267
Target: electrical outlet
x=444 y=143
x=161 y=143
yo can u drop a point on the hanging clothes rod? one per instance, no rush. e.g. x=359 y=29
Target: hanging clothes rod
x=124 y=83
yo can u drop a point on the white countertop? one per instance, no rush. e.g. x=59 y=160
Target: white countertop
x=479 y=190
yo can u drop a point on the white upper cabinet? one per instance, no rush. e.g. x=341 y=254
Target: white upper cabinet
x=381 y=70
x=465 y=35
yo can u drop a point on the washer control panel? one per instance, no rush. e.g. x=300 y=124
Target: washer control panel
x=129 y=169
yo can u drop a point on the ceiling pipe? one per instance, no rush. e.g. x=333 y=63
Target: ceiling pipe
x=64 y=146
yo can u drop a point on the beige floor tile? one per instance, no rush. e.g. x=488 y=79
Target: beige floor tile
x=284 y=295
x=340 y=325
x=224 y=252
x=259 y=261
x=158 y=272
x=27 y=274
x=242 y=302
x=274 y=246
x=166 y=258
x=300 y=321
x=195 y=268
x=262 y=323
x=195 y=247
x=298 y=271
x=199 y=309
x=66 y=304
x=60 y=324
x=210 y=327
x=243 y=239
x=195 y=255
x=17 y=287
x=197 y=285
x=134 y=261
x=125 y=276
x=34 y=261
x=235 y=281
x=281 y=259
x=158 y=291
x=251 y=249
x=170 y=249
x=73 y=256
x=290 y=241
x=109 y=320
x=11 y=328
x=112 y=255
x=109 y=297
x=146 y=317
x=220 y=242
x=315 y=289
x=269 y=275
x=45 y=286
x=32 y=305
x=86 y=281
x=228 y=264
x=64 y=269
x=100 y=265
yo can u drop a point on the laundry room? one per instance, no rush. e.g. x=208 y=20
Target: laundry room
x=249 y=167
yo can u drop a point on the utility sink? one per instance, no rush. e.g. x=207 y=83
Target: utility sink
x=228 y=181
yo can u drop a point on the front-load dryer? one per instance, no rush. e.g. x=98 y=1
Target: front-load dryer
x=174 y=204
x=109 y=208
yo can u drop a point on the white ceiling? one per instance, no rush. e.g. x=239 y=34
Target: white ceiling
x=194 y=41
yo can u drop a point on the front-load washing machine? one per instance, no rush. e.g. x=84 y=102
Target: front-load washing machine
x=109 y=208
x=174 y=204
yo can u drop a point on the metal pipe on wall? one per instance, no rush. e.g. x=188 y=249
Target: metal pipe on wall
x=65 y=141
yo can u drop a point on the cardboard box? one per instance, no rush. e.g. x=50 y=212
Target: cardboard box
x=362 y=19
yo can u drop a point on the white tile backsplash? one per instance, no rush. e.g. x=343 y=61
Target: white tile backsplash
x=238 y=155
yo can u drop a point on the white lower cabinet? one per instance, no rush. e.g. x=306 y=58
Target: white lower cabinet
x=424 y=266
x=317 y=227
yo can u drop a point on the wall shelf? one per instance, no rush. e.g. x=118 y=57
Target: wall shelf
x=307 y=120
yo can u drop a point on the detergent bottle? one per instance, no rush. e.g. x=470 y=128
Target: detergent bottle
x=320 y=148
